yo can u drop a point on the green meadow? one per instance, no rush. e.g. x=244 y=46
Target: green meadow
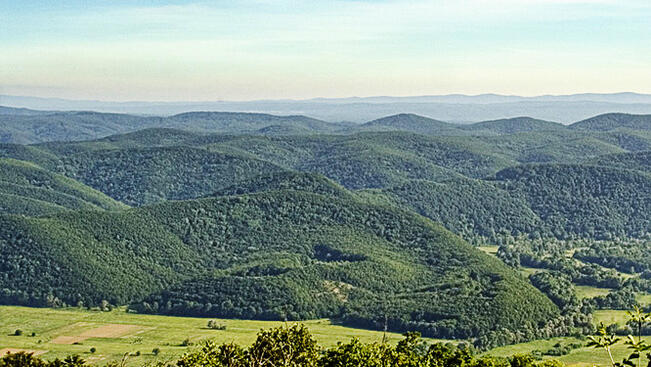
x=60 y=332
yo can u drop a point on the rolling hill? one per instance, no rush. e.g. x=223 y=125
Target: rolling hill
x=36 y=127
x=640 y=161
x=596 y=202
x=514 y=125
x=612 y=121
x=146 y=175
x=31 y=190
x=271 y=255
x=411 y=123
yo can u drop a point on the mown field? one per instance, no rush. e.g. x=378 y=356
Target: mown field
x=60 y=332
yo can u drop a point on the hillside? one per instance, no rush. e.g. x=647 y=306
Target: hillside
x=411 y=123
x=37 y=127
x=286 y=180
x=67 y=126
x=364 y=160
x=612 y=121
x=31 y=190
x=597 y=202
x=514 y=125
x=272 y=255
x=146 y=175
x=640 y=161
x=238 y=122
x=474 y=209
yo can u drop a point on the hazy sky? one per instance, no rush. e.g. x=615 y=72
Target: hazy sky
x=253 y=49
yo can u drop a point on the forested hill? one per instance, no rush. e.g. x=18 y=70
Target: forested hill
x=514 y=125
x=28 y=189
x=431 y=175
x=23 y=126
x=612 y=121
x=273 y=255
x=412 y=123
x=29 y=127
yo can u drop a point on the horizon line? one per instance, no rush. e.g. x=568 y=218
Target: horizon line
x=329 y=98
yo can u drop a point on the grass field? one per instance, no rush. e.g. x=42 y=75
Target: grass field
x=115 y=333
x=586 y=291
x=580 y=357
x=60 y=332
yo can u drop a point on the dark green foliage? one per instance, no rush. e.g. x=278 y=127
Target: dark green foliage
x=266 y=256
x=28 y=189
x=474 y=209
x=625 y=256
x=286 y=180
x=88 y=257
x=148 y=175
x=640 y=161
x=623 y=299
x=274 y=238
x=557 y=286
x=23 y=359
x=596 y=202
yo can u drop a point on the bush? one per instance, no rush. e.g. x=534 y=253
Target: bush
x=186 y=342
x=93 y=350
x=155 y=351
x=18 y=332
x=213 y=324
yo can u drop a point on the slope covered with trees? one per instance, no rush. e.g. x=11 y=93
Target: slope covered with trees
x=147 y=175
x=411 y=123
x=26 y=188
x=598 y=202
x=613 y=121
x=272 y=255
x=514 y=125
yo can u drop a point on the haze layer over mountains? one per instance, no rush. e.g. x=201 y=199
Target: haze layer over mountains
x=452 y=108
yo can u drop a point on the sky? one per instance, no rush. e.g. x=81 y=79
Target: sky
x=276 y=49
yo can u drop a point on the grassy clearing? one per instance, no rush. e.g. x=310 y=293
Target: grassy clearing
x=608 y=317
x=644 y=299
x=526 y=271
x=580 y=357
x=491 y=250
x=143 y=333
x=586 y=291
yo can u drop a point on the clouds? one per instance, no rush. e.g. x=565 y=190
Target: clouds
x=314 y=48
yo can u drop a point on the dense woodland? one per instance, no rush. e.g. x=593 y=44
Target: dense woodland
x=289 y=218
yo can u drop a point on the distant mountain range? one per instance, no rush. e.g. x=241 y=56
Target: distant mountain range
x=453 y=107
x=25 y=126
